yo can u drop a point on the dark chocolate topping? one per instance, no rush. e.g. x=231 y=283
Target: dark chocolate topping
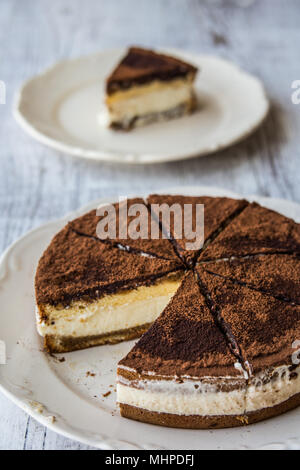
x=77 y=267
x=141 y=66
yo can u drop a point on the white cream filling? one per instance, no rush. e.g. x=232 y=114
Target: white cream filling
x=155 y=101
x=183 y=399
x=111 y=313
x=183 y=402
x=277 y=391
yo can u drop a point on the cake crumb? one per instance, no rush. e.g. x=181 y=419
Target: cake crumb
x=106 y=394
x=243 y=419
x=51 y=419
x=90 y=374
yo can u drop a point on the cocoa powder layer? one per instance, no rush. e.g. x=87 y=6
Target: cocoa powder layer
x=141 y=66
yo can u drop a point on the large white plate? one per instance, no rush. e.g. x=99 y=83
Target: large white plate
x=46 y=388
x=60 y=108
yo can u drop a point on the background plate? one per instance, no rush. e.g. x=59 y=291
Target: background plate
x=60 y=108
x=68 y=398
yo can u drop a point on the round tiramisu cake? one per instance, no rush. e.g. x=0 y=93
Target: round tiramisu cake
x=219 y=325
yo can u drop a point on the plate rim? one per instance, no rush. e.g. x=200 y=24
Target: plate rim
x=105 y=442
x=113 y=156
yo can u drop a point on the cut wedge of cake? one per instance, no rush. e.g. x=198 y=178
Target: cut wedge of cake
x=89 y=293
x=277 y=275
x=181 y=373
x=147 y=86
x=122 y=215
x=265 y=330
x=256 y=230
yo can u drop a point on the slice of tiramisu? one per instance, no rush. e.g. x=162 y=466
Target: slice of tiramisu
x=90 y=293
x=181 y=373
x=266 y=330
x=256 y=230
x=277 y=275
x=125 y=217
x=147 y=86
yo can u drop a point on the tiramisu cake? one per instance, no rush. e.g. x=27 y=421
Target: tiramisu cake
x=147 y=86
x=220 y=324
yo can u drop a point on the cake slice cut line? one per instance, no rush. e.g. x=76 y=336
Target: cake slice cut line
x=121 y=246
x=160 y=247
x=256 y=230
x=247 y=256
x=256 y=289
x=168 y=236
x=225 y=329
x=273 y=382
x=220 y=228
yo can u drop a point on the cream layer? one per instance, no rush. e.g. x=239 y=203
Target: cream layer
x=110 y=313
x=278 y=390
x=156 y=97
x=184 y=399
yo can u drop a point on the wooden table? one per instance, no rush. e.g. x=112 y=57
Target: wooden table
x=37 y=184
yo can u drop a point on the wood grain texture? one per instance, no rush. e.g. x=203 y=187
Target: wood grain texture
x=37 y=184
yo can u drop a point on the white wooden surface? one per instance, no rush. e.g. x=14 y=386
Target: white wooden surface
x=36 y=184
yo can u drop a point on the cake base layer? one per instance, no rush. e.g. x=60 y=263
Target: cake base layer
x=178 y=111
x=207 y=422
x=63 y=344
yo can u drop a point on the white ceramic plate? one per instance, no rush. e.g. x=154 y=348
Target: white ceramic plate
x=62 y=396
x=60 y=108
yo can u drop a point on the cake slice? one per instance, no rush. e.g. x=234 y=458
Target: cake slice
x=265 y=330
x=147 y=86
x=122 y=218
x=277 y=275
x=257 y=230
x=90 y=293
x=218 y=213
x=181 y=373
